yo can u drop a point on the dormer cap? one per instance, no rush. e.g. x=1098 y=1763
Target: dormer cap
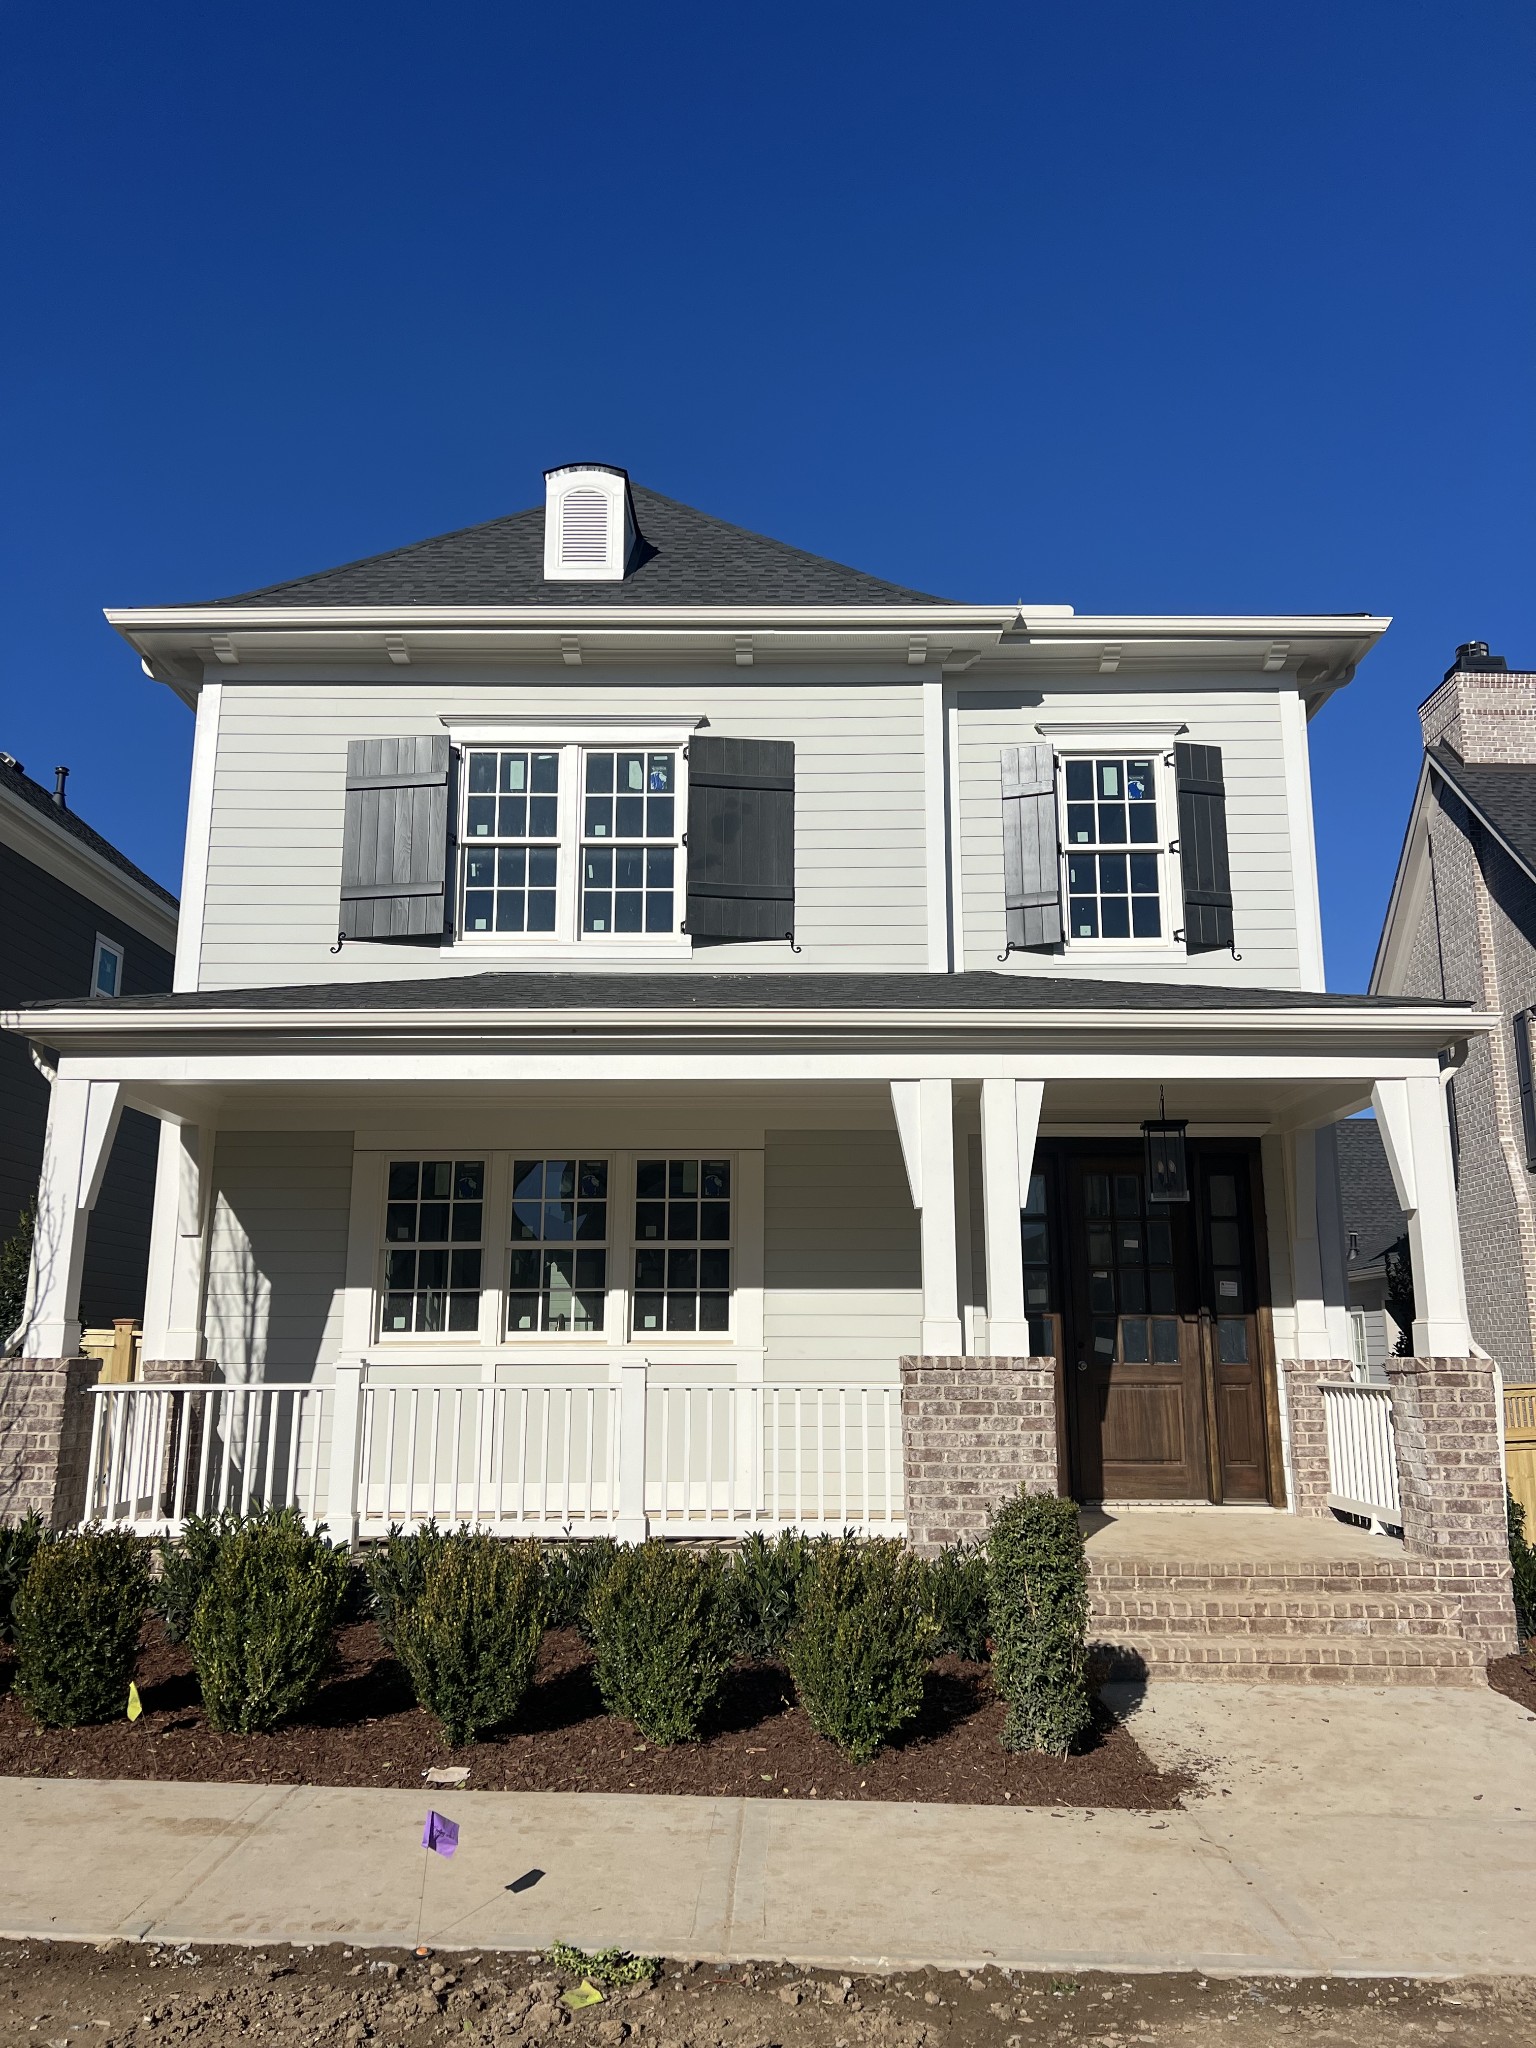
x=590 y=527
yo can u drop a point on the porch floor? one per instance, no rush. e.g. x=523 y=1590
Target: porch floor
x=1230 y=1536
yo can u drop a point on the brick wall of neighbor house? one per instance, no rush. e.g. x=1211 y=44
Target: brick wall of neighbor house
x=974 y=1430
x=47 y=948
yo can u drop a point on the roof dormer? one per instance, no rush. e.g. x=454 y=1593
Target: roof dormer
x=589 y=523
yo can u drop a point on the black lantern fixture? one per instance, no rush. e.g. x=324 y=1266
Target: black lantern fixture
x=1167 y=1160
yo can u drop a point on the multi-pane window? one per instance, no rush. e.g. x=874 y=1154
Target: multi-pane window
x=1130 y=1273
x=1038 y=1291
x=432 y=1238
x=1224 y=1226
x=512 y=840
x=628 y=841
x=1113 y=889
x=682 y=1244
x=559 y=1261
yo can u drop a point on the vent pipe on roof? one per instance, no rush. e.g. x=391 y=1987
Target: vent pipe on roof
x=60 y=777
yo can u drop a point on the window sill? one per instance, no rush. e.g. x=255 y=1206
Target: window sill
x=561 y=953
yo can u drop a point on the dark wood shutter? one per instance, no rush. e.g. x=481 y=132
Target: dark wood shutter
x=394 y=858
x=1031 y=848
x=741 y=838
x=1203 y=848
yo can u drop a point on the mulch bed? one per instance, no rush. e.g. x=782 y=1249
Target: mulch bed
x=366 y=1730
x=1515 y=1677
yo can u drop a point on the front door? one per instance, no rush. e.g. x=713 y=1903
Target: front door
x=1159 y=1333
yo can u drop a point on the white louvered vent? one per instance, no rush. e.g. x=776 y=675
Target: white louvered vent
x=589 y=524
x=583 y=529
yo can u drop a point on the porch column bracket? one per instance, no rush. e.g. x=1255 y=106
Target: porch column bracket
x=1416 y=1134
x=82 y=1122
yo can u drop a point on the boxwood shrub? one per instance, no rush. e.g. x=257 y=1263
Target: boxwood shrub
x=262 y=1633
x=396 y=1571
x=573 y=1572
x=470 y=1636
x=1037 y=1592
x=18 y=1542
x=955 y=1593
x=764 y=1581
x=78 y=1616
x=862 y=1641
x=663 y=1624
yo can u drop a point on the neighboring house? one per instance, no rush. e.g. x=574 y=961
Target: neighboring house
x=1461 y=925
x=674 y=1033
x=1375 y=1244
x=78 y=922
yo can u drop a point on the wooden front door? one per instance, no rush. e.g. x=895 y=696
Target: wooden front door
x=1159 y=1330
x=1134 y=1367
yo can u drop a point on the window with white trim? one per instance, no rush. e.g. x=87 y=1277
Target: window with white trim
x=107 y=968
x=682 y=1245
x=1111 y=842
x=434 y=1224
x=571 y=843
x=557 y=1277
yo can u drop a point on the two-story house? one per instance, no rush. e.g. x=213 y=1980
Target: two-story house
x=78 y=922
x=674 y=1033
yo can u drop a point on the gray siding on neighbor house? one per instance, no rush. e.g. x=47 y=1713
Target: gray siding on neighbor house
x=275 y=850
x=1245 y=723
x=841 y=1266
x=47 y=949
x=277 y=1252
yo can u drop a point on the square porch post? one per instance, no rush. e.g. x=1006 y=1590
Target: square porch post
x=925 y=1122
x=173 y=1296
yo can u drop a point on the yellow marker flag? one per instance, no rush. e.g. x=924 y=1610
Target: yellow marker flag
x=135 y=1704
x=586 y=1993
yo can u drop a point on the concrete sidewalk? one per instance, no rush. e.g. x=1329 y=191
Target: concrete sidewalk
x=1390 y=1832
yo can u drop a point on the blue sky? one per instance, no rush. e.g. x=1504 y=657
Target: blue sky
x=1173 y=307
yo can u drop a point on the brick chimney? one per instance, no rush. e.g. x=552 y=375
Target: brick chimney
x=1484 y=711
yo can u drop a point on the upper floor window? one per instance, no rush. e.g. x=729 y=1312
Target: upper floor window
x=1114 y=861
x=571 y=842
x=107 y=968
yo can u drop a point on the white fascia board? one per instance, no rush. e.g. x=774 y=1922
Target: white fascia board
x=1407 y=889
x=80 y=867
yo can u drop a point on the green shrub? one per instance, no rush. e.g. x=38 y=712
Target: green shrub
x=663 y=1626
x=470 y=1636
x=764 y=1578
x=955 y=1592
x=861 y=1642
x=18 y=1542
x=573 y=1572
x=1523 y=1560
x=78 y=1617
x=185 y=1566
x=396 y=1571
x=1037 y=1593
x=262 y=1631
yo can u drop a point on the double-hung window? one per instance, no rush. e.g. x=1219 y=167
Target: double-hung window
x=433 y=1227
x=558 y=1276
x=571 y=844
x=682 y=1244
x=1114 y=860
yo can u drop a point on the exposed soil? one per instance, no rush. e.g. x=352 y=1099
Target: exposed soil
x=365 y=1729
x=53 y=1995
x=1515 y=1677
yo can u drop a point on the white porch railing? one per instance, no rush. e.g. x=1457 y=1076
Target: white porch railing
x=1362 y=1453
x=599 y=1457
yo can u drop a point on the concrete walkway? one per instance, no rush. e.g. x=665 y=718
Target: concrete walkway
x=1390 y=1832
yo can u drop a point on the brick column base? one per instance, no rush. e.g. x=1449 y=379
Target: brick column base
x=45 y=1437
x=1450 y=1473
x=973 y=1431
x=176 y=1372
x=1305 y=1379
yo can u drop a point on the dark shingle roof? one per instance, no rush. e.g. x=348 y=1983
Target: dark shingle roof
x=16 y=779
x=686 y=989
x=1506 y=797
x=1366 y=1193
x=685 y=557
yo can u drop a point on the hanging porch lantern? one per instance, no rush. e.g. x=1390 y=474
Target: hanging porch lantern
x=1167 y=1159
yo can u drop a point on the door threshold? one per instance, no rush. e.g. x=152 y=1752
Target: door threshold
x=1182 y=1507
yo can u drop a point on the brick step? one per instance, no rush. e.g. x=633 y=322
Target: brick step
x=1297 y=1660
x=1196 y=1605
x=1302 y=1619
x=1195 y=1581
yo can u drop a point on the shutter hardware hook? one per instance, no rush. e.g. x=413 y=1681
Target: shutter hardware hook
x=341 y=940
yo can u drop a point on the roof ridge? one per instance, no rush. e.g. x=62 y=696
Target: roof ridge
x=73 y=826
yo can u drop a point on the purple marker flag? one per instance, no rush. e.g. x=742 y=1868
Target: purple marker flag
x=440 y=1833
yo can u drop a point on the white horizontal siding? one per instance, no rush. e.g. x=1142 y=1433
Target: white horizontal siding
x=277 y=1252
x=1244 y=722
x=841 y=1268
x=272 y=903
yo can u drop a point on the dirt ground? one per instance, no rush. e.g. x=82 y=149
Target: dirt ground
x=365 y=1729
x=54 y=1995
x=1516 y=1677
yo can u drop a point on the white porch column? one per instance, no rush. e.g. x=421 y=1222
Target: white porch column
x=1322 y=1324
x=1416 y=1134
x=925 y=1120
x=82 y=1122
x=1010 y=1122
x=173 y=1296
